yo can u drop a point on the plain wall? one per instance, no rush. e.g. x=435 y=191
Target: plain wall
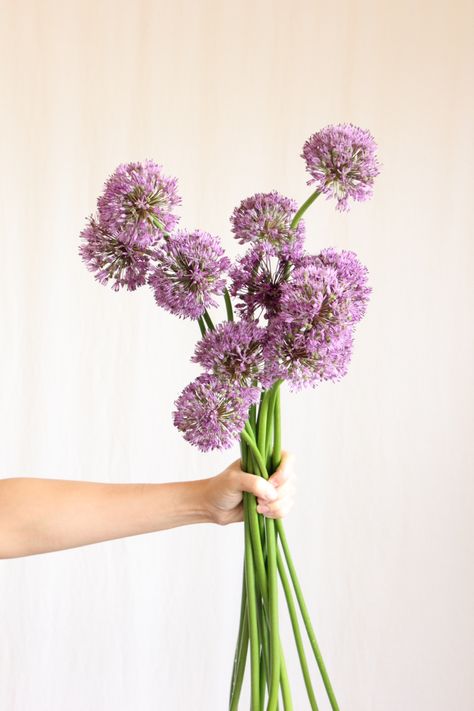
x=224 y=94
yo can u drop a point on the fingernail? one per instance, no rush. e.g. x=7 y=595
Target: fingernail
x=263 y=509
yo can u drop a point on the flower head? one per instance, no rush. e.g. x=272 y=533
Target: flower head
x=310 y=339
x=304 y=358
x=211 y=414
x=342 y=162
x=110 y=259
x=257 y=279
x=137 y=203
x=266 y=217
x=190 y=271
x=233 y=352
x=352 y=277
x=309 y=300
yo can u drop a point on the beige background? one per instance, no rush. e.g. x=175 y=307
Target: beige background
x=224 y=94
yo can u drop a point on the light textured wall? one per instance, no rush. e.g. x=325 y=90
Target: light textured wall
x=224 y=94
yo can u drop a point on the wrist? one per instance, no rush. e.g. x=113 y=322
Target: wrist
x=195 y=502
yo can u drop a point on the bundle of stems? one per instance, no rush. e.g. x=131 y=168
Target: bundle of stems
x=267 y=556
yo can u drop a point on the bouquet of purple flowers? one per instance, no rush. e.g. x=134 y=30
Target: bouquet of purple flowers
x=290 y=318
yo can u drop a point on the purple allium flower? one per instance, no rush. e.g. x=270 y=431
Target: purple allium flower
x=111 y=259
x=352 y=278
x=233 y=352
x=266 y=217
x=211 y=414
x=310 y=339
x=309 y=300
x=137 y=203
x=342 y=162
x=190 y=270
x=257 y=279
x=305 y=359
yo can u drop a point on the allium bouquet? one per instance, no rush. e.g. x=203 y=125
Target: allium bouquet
x=290 y=318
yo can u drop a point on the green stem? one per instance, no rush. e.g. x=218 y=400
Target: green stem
x=228 y=306
x=296 y=631
x=260 y=570
x=285 y=685
x=305 y=616
x=244 y=455
x=242 y=622
x=304 y=207
x=262 y=423
x=202 y=327
x=208 y=321
x=276 y=455
x=273 y=610
x=263 y=681
x=255 y=451
x=270 y=426
x=260 y=518
x=265 y=650
x=252 y=614
x=240 y=671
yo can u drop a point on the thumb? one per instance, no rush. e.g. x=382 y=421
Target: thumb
x=257 y=486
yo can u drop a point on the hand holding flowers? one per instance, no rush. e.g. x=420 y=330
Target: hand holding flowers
x=223 y=493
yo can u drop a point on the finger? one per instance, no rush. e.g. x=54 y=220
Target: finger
x=284 y=471
x=284 y=491
x=278 y=509
x=257 y=486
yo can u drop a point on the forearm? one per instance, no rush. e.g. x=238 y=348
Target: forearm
x=43 y=515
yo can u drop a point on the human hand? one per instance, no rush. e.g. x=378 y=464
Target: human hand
x=224 y=498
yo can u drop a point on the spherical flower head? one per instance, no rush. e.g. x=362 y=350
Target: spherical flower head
x=305 y=359
x=137 y=203
x=110 y=259
x=309 y=300
x=352 y=276
x=233 y=352
x=266 y=217
x=211 y=413
x=342 y=162
x=190 y=271
x=256 y=281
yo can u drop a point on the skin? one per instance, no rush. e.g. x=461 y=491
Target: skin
x=45 y=515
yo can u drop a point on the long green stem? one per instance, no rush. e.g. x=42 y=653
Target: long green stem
x=296 y=631
x=202 y=327
x=240 y=670
x=228 y=306
x=208 y=321
x=285 y=685
x=242 y=622
x=265 y=650
x=305 y=616
x=262 y=423
x=263 y=680
x=260 y=570
x=252 y=614
x=273 y=610
x=255 y=451
x=304 y=207
x=270 y=427
x=276 y=455
x=261 y=522
x=253 y=418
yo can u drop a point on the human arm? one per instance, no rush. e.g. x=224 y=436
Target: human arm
x=44 y=515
